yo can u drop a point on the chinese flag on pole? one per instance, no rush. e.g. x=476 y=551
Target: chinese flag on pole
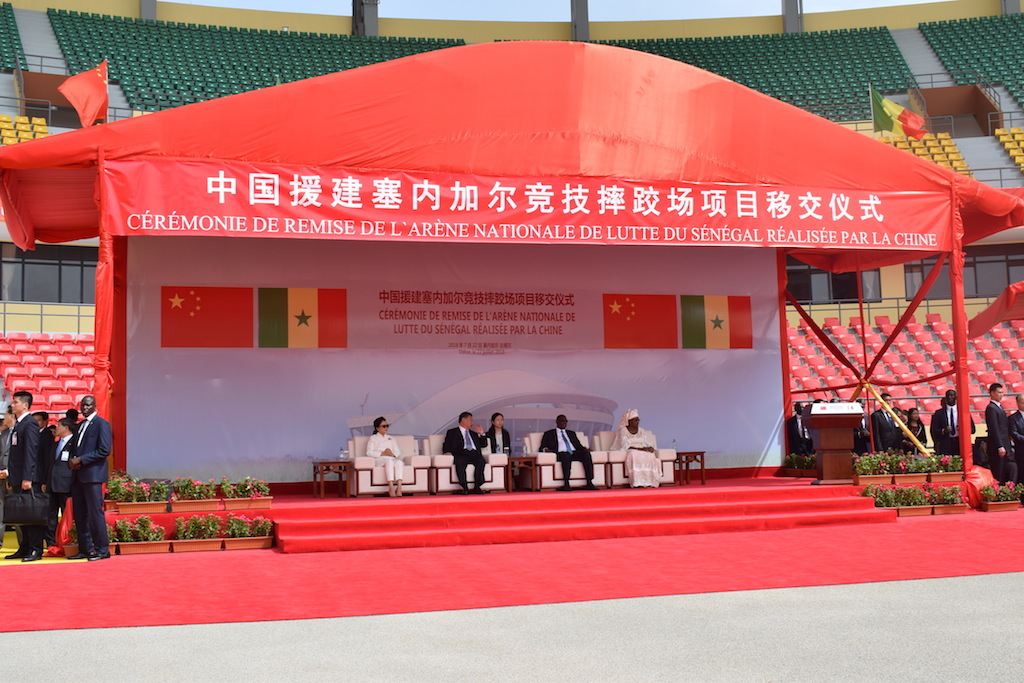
x=641 y=321
x=87 y=93
x=206 y=317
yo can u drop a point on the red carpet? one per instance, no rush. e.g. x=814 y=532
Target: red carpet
x=424 y=521
x=213 y=587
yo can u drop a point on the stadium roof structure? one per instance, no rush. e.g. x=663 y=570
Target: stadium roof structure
x=502 y=109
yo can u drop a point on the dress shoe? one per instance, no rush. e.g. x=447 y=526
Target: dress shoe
x=461 y=492
x=99 y=556
x=17 y=555
x=565 y=488
x=479 y=491
x=33 y=556
x=81 y=556
x=590 y=486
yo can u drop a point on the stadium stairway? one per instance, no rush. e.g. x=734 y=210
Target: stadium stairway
x=920 y=56
x=554 y=516
x=39 y=41
x=989 y=161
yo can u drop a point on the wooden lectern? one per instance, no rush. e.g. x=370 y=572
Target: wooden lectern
x=832 y=426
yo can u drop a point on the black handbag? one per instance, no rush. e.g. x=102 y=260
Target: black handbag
x=26 y=508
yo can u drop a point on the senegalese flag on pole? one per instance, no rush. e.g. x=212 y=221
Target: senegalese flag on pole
x=303 y=318
x=716 y=322
x=887 y=115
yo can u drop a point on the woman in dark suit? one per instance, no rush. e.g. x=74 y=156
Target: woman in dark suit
x=915 y=425
x=497 y=436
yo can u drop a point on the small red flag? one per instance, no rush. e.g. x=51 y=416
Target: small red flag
x=206 y=317
x=87 y=93
x=641 y=321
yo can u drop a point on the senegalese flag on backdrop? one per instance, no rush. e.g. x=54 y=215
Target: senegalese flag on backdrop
x=716 y=322
x=302 y=318
x=888 y=115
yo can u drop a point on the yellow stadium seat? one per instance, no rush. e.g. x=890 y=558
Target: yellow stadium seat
x=10 y=141
x=923 y=152
x=937 y=158
x=42 y=135
x=21 y=119
x=25 y=134
x=999 y=131
x=1014 y=153
x=40 y=128
x=8 y=133
x=6 y=118
x=931 y=144
x=943 y=136
x=899 y=138
x=902 y=145
x=6 y=125
x=950 y=149
x=1005 y=138
x=916 y=144
x=1019 y=137
x=955 y=157
x=928 y=136
x=944 y=164
x=959 y=165
x=22 y=126
x=38 y=121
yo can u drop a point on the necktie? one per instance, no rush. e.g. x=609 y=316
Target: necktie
x=568 y=444
x=952 y=422
x=81 y=431
x=469 y=442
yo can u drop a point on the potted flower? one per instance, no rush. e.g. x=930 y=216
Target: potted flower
x=909 y=469
x=71 y=547
x=946 y=500
x=138 y=536
x=134 y=496
x=996 y=498
x=884 y=496
x=912 y=501
x=245 y=495
x=244 y=533
x=191 y=495
x=871 y=468
x=198 y=532
x=946 y=468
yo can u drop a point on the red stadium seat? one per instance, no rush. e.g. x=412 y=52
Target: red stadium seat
x=76 y=386
x=72 y=350
x=932 y=318
x=88 y=349
x=81 y=361
x=40 y=371
x=24 y=385
x=800 y=371
x=940 y=357
x=16 y=337
x=87 y=373
x=23 y=348
x=13 y=372
x=915 y=357
x=987 y=378
x=855 y=322
x=811 y=383
x=6 y=348
x=826 y=371
x=981 y=343
x=62 y=338
x=60 y=402
x=68 y=372
x=1013 y=377
x=900 y=369
x=1001 y=333
x=39 y=338
x=920 y=390
x=897 y=391
x=85 y=339
x=47 y=349
x=32 y=359
x=57 y=361
x=881 y=320
x=832 y=321
x=1002 y=365
x=930 y=405
x=50 y=385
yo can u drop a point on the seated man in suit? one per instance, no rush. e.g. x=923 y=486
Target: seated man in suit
x=466 y=443
x=945 y=426
x=567 y=447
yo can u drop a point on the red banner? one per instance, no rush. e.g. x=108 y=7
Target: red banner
x=246 y=200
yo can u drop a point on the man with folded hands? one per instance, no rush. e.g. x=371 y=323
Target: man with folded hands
x=466 y=443
x=567 y=448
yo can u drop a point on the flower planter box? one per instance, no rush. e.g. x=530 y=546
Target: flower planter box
x=914 y=510
x=109 y=505
x=865 y=479
x=194 y=544
x=954 y=509
x=260 y=503
x=1000 y=505
x=917 y=478
x=145 y=508
x=249 y=543
x=945 y=476
x=204 y=505
x=70 y=550
x=142 y=547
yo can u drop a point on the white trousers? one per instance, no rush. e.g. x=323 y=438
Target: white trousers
x=394 y=468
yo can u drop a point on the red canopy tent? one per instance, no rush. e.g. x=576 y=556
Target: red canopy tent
x=542 y=109
x=1008 y=306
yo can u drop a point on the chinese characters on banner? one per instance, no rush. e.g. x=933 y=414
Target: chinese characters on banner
x=309 y=203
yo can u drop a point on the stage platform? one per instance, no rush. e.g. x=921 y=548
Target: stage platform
x=308 y=524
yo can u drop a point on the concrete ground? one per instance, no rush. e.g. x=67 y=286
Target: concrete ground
x=953 y=629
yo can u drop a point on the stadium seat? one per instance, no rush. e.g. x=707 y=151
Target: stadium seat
x=50 y=385
x=23 y=348
x=13 y=372
x=38 y=372
x=81 y=361
x=56 y=361
x=24 y=385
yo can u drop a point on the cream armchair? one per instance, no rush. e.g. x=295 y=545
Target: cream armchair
x=616 y=466
x=368 y=476
x=443 y=477
x=549 y=470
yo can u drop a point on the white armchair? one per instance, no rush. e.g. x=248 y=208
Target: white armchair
x=549 y=470
x=617 y=461
x=368 y=476
x=443 y=478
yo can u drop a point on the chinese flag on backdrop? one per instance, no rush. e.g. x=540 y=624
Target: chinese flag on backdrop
x=87 y=93
x=641 y=321
x=207 y=317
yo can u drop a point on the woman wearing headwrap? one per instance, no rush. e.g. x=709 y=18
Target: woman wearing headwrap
x=643 y=468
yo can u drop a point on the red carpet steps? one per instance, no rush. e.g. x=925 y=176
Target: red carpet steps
x=423 y=521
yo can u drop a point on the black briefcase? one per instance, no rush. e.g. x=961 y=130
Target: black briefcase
x=26 y=508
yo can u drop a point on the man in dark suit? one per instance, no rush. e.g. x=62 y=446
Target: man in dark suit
x=466 y=443
x=5 y=447
x=862 y=434
x=1000 y=450
x=567 y=448
x=1017 y=437
x=797 y=435
x=92 y=444
x=884 y=431
x=59 y=475
x=945 y=427
x=24 y=473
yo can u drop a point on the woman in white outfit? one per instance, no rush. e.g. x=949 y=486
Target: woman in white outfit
x=643 y=468
x=384 y=449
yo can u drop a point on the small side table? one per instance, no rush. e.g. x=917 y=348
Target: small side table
x=321 y=468
x=526 y=462
x=683 y=460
